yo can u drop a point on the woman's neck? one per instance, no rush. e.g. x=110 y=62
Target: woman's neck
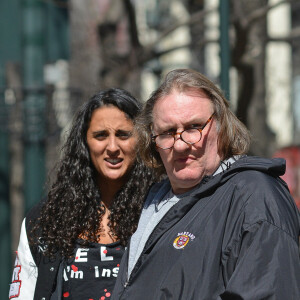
x=108 y=190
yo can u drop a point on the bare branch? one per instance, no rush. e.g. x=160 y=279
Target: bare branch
x=132 y=23
x=262 y=12
x=294 y=34
x=238 y=15
x=194 y=19
x=155 y=54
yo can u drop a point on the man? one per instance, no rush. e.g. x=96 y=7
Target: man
x=222 y=225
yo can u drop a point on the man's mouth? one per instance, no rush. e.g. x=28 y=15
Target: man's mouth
x=184 y=159
x=114 y=161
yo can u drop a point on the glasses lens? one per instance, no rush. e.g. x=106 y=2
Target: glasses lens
x=191 y=136
x=164 y=141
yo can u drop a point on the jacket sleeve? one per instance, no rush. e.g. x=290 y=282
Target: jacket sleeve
x=25 y=271
x=263 y=265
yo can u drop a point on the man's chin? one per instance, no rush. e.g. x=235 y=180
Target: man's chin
x=182 y=184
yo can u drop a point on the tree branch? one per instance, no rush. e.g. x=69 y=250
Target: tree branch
x=194 y=19
x=294 y=34
x=262 y=12
x=155 y=54
x=132 y=24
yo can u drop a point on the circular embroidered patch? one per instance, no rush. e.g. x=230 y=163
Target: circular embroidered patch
x=181 y=241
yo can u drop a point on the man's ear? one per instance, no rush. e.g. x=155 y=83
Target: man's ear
x=154 y=149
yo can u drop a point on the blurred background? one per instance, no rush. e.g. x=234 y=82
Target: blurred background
x=54 y=54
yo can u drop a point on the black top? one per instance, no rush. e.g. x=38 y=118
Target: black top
x=50 y=283
x=92 y=273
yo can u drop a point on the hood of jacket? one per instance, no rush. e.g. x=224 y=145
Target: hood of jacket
x=274 y=167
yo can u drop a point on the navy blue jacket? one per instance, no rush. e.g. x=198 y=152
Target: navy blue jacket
x=236 y=237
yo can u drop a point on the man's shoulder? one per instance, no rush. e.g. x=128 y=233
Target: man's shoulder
x=253 y=177
x=250 y=172
x=159 y=185
x=263 y=197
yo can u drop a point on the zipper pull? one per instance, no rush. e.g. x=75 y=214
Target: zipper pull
x=125 y=284
x=127 y=279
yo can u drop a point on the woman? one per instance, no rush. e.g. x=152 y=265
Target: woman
x=71 y=245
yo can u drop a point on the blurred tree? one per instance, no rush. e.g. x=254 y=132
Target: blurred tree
x=112 y=49
x=85 y=59
x=248 y=57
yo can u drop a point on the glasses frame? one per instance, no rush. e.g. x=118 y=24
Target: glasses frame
x=153 y=137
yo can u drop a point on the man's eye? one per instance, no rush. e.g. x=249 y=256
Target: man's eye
x=195 y=126
x=169 y=131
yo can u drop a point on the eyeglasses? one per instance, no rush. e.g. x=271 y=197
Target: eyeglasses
x=190 y=136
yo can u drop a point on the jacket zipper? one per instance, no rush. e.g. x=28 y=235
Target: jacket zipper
x=129 y=279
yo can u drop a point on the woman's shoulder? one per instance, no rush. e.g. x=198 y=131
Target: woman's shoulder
x=35 y=212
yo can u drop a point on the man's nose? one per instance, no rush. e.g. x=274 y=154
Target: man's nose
x=179 y=144
x=177 y=135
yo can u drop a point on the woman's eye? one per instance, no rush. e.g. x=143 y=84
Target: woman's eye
x=124 y=135
x=100 y=135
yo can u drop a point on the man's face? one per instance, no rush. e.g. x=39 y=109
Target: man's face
x=186 y=164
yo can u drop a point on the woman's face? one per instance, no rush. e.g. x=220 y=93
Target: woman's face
x=111 y=144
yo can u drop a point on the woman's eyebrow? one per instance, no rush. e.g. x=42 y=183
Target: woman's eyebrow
x=123 y=130
x=99 y=131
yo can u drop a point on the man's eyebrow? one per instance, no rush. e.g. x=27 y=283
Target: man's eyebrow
x=166 y=129
x=197 y=120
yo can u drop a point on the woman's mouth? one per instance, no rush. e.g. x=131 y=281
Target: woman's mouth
x=114 y=161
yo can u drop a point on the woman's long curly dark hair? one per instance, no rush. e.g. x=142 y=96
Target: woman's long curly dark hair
x=74 y=205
